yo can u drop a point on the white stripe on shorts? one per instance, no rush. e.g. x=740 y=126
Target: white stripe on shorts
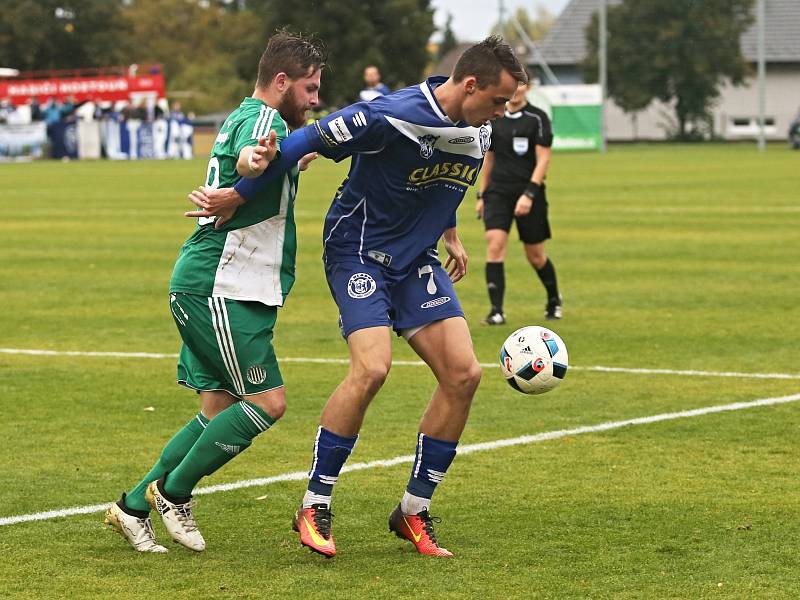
x=227 y=329
x=217 y=321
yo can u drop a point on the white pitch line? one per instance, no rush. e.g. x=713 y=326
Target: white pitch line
x=465 y=449
x=419 y=363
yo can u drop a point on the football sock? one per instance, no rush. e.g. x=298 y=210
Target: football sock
x=495 y=284
x=227 y=435
x=171 y=456
x=548 y=276
x=330 y=453
x=430 y=464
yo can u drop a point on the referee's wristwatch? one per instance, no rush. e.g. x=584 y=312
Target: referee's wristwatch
x=479 y=195
x=532 y=190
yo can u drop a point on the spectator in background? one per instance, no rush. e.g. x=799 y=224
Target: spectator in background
x=176 y=113
x=138 y=111
x=36 y=109
x=67 y=109
x=374 y=88
x=52 y=112
x=794 y=132
x=6 y=109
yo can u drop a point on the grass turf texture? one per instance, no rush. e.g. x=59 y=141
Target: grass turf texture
x=675 y=257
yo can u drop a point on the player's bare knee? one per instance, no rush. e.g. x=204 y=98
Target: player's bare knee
x=274 y=404
x=473 y=376
x=464 y=381
x=371 y=376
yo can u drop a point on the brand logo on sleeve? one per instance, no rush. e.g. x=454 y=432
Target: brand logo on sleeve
x=359 y=120
x=339 y=130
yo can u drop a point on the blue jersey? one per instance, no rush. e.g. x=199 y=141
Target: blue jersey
x=411 y=166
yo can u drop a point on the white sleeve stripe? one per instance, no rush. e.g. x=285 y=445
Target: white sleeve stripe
x=258 y=122
x=265 y=129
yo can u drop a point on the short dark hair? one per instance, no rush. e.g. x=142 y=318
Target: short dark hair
x=295 y=54
x=486 y=60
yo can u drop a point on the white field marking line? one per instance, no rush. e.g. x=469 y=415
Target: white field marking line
x=419 y=363
x=466 y=449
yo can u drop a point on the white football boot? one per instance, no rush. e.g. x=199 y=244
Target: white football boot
x=137 y=530
x=177 y=518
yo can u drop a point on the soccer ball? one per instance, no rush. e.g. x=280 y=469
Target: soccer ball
x=534 y=360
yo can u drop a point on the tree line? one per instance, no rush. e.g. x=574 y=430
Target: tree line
x=210 y=48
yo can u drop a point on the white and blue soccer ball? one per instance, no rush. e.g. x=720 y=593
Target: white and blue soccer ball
x=534 y=360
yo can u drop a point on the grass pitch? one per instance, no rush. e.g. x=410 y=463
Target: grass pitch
x=676 y=258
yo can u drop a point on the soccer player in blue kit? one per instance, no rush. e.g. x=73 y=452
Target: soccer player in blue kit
x=414 y=154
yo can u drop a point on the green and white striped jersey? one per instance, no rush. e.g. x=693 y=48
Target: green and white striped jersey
x=252 y=256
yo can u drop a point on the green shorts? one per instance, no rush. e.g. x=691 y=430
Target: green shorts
x=227 y=344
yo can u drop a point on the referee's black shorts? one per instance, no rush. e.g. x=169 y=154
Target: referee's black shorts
x=498 y=213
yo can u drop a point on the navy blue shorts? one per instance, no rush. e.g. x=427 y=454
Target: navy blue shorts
x=368 y=295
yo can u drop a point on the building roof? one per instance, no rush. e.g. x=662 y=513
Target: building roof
x=448 y=62
x=565 y=44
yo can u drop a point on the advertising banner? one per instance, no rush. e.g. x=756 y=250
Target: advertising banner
x=576 y=114
x=22 y=141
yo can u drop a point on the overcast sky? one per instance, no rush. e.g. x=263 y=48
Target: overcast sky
x=472 y=19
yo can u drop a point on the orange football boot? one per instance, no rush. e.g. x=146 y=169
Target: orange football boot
x=314 y=526
x=418 y=529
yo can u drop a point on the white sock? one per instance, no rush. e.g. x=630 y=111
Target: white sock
x=311 y=499
x=412 y=505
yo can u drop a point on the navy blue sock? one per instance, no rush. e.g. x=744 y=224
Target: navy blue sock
x=330 y=453
x=430 y=464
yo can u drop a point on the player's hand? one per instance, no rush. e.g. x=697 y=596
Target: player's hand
x=262 y=154
x=221 y=203
x=479 y=208
x=523 y=207
x=456 y=263
x=303 y=163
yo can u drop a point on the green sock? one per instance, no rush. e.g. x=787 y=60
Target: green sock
x=228 y=434
x=171 y=457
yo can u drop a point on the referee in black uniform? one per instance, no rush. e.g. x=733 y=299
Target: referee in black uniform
x=512 y=188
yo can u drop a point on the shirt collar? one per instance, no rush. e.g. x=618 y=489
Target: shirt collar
x=427 y=87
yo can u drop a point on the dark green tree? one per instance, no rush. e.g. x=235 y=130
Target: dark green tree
x=392 y=34
x=449 y=40
x=210 y=55
x=680 y=52
x=53 y=34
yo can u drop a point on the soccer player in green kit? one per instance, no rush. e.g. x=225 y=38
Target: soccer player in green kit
x=228 y=282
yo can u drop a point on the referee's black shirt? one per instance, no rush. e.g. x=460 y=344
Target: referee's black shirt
x=514 y=140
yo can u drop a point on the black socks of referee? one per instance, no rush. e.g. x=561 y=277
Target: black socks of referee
x=548 y=276
x=496 y=285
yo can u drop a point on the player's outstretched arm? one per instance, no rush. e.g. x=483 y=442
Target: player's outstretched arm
x=253 y=160
x=223 y=202
x=456 y=263
x=296 y=145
